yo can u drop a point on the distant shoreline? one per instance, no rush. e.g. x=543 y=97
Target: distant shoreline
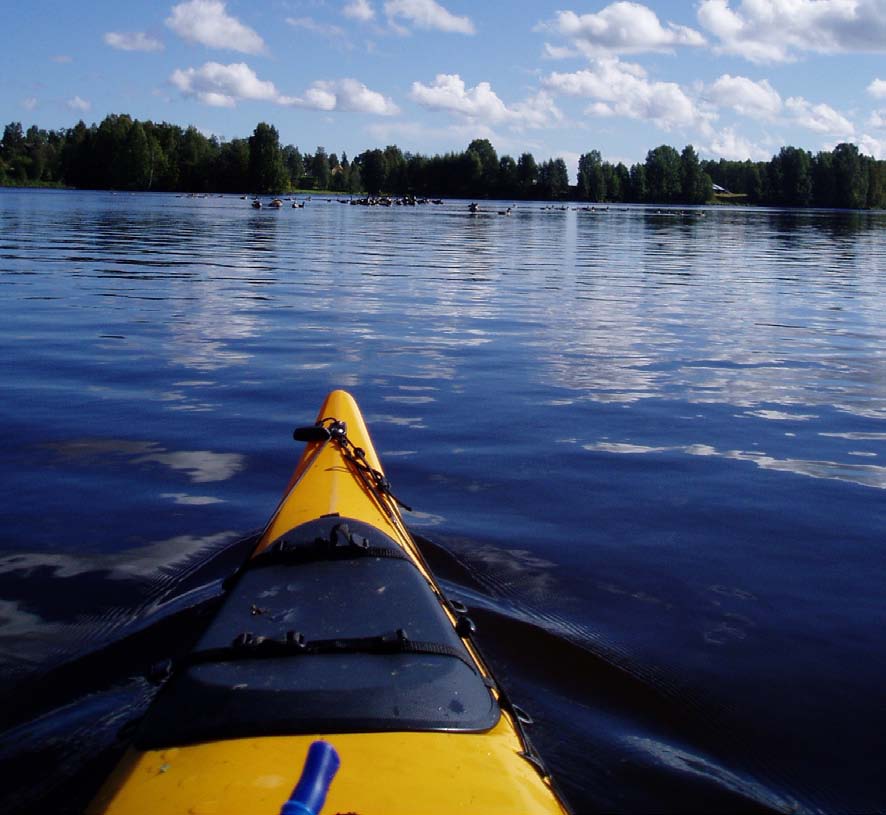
x=728 y=200
x=122 y=153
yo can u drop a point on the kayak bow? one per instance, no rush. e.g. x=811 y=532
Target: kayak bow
x=334 y=628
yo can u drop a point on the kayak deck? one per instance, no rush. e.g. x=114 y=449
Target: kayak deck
x=333 y=628
x=387 y=774
x=334 y=636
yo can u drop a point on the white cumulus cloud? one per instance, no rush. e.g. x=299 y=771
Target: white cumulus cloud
x=820 y=118
x=132 y=41
x=208 y=23
x=29 y=103
x=726 y=143
x=428 y=15
x=538 y=111
x=78 y=104
x=346 y=95
x=359 y=10
x=759 y=100
x=622 y=27
x=779 y=30
x=624 y=89
x=223 y=85
x=877 y=89
x=872 y=146
x=449 y=93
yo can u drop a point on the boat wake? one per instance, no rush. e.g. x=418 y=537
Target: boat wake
x=617 y=734
x=76 y=663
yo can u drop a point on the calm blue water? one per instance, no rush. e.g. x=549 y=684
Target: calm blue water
x=647 y=449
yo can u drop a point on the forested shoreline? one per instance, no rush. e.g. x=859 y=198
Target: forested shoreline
x=123 y=153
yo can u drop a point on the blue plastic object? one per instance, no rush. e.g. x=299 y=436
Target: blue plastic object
x=309 y=794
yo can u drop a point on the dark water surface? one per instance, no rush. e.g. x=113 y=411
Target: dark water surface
x=648 y=450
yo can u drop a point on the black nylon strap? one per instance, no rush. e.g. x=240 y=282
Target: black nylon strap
x=249 y=646
x=342 y=544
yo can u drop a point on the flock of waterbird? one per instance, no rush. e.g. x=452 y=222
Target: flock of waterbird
x=473 y=208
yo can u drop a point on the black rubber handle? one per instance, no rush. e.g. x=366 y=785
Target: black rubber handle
x=315 y=432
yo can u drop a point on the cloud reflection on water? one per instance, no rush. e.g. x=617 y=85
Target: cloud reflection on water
x=200 y=466
x=867 y=475
x=33 y=630
x=143 y=562
x=735 y=309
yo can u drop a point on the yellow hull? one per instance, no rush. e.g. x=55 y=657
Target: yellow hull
x=383 y=773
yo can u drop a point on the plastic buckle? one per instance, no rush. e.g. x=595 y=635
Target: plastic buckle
x=295 y=640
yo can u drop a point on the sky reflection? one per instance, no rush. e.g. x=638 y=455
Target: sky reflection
x=866 y=475
x=199 y=466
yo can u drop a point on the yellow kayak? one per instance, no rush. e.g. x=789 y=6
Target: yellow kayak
x=333 y=629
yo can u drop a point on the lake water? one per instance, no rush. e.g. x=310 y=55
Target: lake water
x=647 y=449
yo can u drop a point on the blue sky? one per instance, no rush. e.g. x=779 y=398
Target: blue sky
x=735 y=78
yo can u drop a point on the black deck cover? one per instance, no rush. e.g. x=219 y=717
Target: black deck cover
x=323 y=593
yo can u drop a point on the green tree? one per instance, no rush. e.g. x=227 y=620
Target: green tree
x=373 y=170
x=527 y=174
x=591 y=181
x=663 y=180
x=417 y=171
x=135 y=163
x=488 y=164
x=109 y=162
x=508 y=180
x=12 y=149
x=35 y=144
x=822 y=171
x=695 y=183
x=553 y=179
x=266 y=170
x=355 y=182
x=396 y=177
x=469 y=172
x=167 y=173
x=320 y=168
x=623 y=179
x=876 y=184
x=339 y=172
x=638 y=190
x=231 y=171
x=560 y=177
x=751 y=183
x=194 y=160
x=157 y=160
x=76 y=155
x=850 y=177
x=294 y=164
x=13 y=138
x=791 y=176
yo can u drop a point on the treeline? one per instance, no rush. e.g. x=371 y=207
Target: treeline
x=127 y=154
x=842 y=177
x=666 y=177
x=123 y=153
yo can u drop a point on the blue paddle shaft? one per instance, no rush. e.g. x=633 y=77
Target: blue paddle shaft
x=309 y=794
